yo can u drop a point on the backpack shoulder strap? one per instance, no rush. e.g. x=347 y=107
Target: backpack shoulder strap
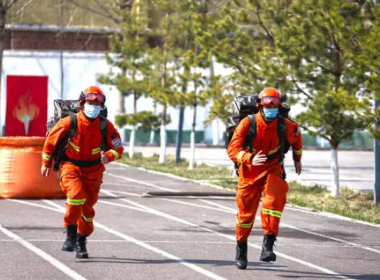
x=281 y=131
x=103 y=131
x=251 y=135
x=73 y=125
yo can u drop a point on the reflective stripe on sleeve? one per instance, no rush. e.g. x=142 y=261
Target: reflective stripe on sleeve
x=116 y=154
x=240 y=155
x=298 y=152
x=75 y=201
x=271 y=212
x=45 y=156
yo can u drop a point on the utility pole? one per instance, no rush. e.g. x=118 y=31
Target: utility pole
x=377 y=165
x=179 y=134
x=60 y=4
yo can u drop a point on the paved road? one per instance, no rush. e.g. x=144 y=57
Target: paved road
x=356 y=167
x=139 y=237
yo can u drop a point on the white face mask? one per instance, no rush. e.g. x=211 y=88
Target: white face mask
x=91 y=111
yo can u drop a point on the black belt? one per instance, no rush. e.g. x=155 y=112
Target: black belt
x=82 y=163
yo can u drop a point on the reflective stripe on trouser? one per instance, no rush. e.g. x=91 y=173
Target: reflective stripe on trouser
x=274 y=190
x=82 y=194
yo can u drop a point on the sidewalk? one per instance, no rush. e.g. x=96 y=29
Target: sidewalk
x=355 y=167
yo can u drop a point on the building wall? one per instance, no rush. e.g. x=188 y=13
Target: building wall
x=81 y=69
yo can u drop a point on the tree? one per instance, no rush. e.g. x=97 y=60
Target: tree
x=331 y=116
x=5 y=8
x=307 y=49
x=128 y=51
x=119 y=12
x=322 y=53
x=162 y=75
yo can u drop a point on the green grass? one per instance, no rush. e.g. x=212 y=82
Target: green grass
x=350 y=204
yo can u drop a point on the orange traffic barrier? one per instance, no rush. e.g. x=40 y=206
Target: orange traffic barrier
x=20 y=170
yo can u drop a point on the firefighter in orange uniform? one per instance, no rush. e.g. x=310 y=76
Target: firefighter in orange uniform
x=81 y=170
x=261 y=172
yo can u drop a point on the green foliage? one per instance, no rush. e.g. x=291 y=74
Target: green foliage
x=128 y=55
x=145 y=120
x=315 y=51
x=332 y=116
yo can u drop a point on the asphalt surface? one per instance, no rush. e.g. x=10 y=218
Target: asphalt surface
x=356 y=168
x=175 y=237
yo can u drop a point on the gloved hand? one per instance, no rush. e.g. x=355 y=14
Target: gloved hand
x=298 y=167
x=104 y=157
x=259 y=159
x=45 y=171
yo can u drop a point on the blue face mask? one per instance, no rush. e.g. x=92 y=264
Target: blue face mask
x=270 y=114
x=91 y=111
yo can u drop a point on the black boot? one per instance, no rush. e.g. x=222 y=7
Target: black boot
x=267 y=254
x=241 y=255
x=81 y=247
x=71 y=237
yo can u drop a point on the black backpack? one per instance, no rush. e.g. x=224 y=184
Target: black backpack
x=247 y=106
x=62 y=109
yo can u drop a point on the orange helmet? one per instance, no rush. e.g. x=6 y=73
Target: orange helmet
x=270 y=96
x=92 y=93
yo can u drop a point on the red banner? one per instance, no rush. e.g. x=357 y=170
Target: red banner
x=26 y=113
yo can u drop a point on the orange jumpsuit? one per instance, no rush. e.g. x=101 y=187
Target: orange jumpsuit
x=266 y=179
x=82 y=184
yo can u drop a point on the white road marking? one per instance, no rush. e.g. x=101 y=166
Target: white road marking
x=122 y=205
x=174 y=218
x=122 y=192
x=35 y=204
x=140 y=182
x=306 y=210
x=229 y=209
x=233 y=211
x=196 y=205
x=143 y=244
x=173 y=241
x=329 y=215
x=53 y=261
x=169 y=175
x=121 y=185
x=52 y=204
x=282 y=224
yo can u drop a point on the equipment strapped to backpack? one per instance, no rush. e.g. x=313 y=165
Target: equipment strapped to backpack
x=247 y=106
x=65 y=108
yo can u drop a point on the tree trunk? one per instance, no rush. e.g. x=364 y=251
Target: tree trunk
x=132 y=138
x=334 y=173
x=3 y=13
x=192 y=139
x=163 y=119
x=163 y=137
x=151 y=140
x=121 y=95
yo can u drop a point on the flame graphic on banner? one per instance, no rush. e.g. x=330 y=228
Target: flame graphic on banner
x=25 y=111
